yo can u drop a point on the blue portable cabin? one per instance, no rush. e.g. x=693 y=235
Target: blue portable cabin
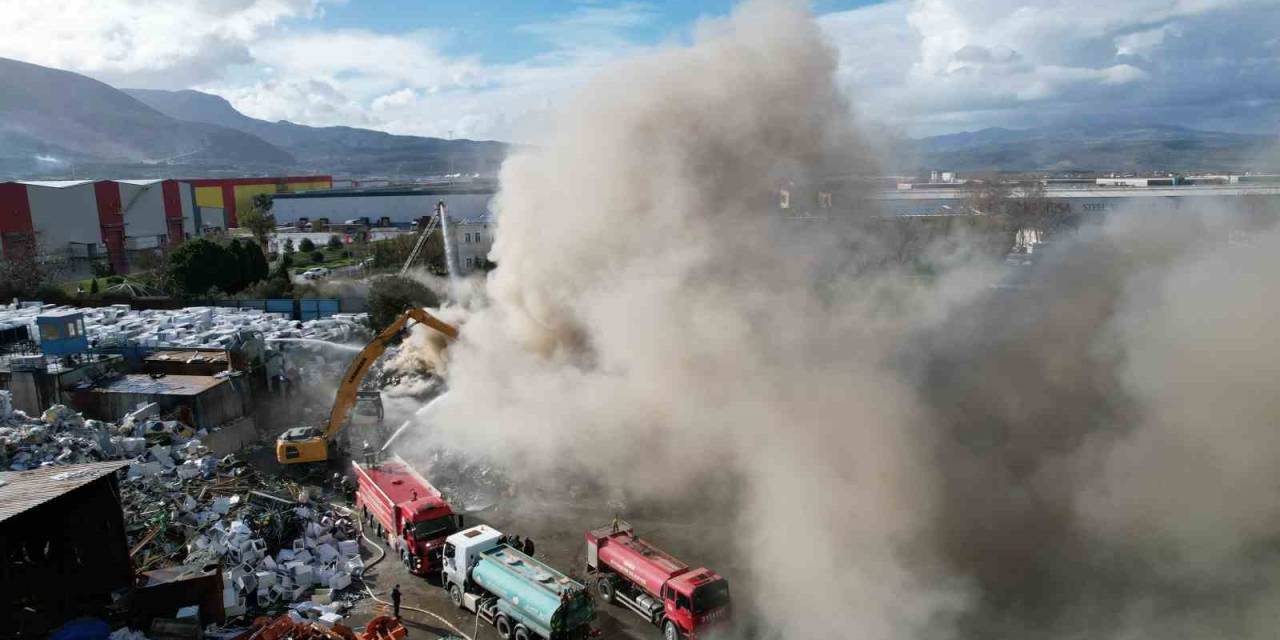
x=62 y=333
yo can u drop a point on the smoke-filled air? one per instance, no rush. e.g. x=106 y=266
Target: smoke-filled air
x=887 y=449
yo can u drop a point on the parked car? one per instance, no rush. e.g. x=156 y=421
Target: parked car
x=315 y=273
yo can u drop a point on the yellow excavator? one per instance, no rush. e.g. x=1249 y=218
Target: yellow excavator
x=310 y=444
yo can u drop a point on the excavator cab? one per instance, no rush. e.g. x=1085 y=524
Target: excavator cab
x=302 y=444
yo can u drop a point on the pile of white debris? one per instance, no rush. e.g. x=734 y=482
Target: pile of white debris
x=60 y=436
x=190 y=327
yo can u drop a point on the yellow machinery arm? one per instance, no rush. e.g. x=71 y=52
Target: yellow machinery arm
x=308 y=444
x=356 y=371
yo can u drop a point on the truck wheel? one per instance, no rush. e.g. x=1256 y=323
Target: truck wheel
x=604 y=586
x=503 y=625
x=521 y=633
x=455 y=594
x=670 y=632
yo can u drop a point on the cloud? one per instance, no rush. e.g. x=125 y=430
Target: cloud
x=917 y=66
x=928 y=66
x=142 y=42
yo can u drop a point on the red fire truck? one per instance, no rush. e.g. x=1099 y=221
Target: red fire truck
x=626 y=570
x=406 y=511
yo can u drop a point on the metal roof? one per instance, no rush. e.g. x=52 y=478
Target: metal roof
x=169 y=385
x=23 y=490
x=56 y=184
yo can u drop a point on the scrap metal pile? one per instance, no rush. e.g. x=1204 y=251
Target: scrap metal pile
x=188 y=327
x=273 y=551
x=62 y=436
x=183 y=505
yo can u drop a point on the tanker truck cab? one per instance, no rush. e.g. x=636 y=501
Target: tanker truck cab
x=696 y=601
x=682 y=602
x=520 y=596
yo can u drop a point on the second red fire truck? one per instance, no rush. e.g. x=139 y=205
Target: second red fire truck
x=682 y=602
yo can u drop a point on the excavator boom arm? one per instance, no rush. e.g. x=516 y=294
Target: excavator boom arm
x=354 y=376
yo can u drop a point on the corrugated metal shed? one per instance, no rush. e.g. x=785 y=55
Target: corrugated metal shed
x=23 y=490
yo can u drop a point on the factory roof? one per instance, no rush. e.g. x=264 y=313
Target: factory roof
x=477 y=187
x=56 y=184
x=169 y=385
x=23 y=490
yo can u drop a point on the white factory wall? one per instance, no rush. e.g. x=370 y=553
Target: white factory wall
x=400 y=208
x=143 y=208
x=189 y=229
x=62 y=215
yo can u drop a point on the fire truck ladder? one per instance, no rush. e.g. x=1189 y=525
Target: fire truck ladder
x=422 y=241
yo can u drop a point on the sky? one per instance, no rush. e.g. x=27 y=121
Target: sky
x=490 y=69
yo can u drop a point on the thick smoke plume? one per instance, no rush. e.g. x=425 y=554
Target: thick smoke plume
x=1089 y=454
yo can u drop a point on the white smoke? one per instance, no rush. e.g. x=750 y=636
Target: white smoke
x=896 y=455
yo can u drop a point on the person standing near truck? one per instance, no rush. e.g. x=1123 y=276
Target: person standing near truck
x=395 y=601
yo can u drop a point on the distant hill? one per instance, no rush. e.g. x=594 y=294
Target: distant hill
x=1093 y=148
x=55 y=122
x=346 y=150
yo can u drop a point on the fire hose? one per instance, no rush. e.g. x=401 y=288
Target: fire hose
x=382 y=553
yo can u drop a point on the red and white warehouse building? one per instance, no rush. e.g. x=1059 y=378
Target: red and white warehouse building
x=78 y=222
x=75 y=223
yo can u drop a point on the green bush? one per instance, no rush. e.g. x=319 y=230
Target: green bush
x=335 y=243
x=306 y=246
x=93 y=287
x=317 y=257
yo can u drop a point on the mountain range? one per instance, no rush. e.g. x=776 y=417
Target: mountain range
x=59 y=124
x=1096 y=147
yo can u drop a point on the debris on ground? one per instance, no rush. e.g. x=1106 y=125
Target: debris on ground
x=217 y=327
x=274 y=551
x=61 y=436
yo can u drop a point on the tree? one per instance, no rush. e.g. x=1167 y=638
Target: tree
x=317 y=257
x=334 y=243
x=259 y=222
x=93 y=287
x=306 y=246
x=389 y=296
x=288 y=246
x=250 y=266
x=199 y=265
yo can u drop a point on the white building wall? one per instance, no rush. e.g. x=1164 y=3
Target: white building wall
x=400 y=208
x=143 y=208
x=62 y=215
x=473 y=239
